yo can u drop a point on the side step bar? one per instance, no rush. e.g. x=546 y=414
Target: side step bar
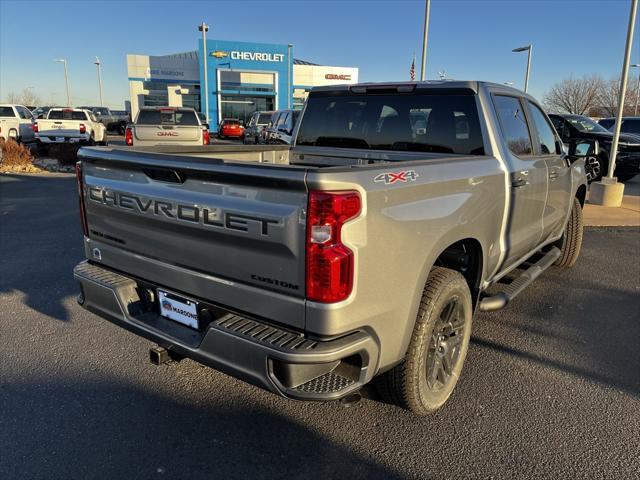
x=511 y=290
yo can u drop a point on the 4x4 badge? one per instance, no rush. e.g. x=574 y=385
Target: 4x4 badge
x=390 y=178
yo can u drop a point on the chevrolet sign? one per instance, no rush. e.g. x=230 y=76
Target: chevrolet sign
x=257 y=56
x=219 y=54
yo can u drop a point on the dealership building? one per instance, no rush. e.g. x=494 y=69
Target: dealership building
x=241 y=77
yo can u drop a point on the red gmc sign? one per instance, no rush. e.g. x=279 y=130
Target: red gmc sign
x=335 y=76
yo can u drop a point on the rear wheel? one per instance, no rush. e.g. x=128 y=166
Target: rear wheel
x=426 y=377
x=571 y=240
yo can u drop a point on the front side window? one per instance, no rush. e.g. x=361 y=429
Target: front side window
x=546 y=137
x=513 y=124
x=421 y=122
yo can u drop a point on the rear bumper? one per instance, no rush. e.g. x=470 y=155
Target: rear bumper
x=281 y=361
x=52 y=139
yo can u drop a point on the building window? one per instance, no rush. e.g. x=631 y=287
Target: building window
x=243 y=106
x=157 y=96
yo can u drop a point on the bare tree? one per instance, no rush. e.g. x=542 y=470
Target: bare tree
x=574 y=95
x=610 y=92
x=27 y=97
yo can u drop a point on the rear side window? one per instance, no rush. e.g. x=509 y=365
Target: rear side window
x=439 y=123
x=631 y=126
x=264 y=119
x=167 y=117
x=6 y=112
x=545 y=133
x=607 y=123
x=513 y=124
x=66 y=115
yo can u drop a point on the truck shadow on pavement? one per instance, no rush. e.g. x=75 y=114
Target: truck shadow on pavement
x=41 y=240
x=583 y=321
x=73 y=429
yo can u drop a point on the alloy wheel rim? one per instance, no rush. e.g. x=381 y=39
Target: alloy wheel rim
x=592 y=168
x=445 y=345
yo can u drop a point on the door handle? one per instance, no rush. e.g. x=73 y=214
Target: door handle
x=519 y=182
x=520 y=179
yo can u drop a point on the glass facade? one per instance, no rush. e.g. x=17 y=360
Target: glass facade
x=243 y=106
x=157 y=96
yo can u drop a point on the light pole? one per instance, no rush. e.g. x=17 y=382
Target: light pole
x=204 y=28
x=608 y=192
x=97 y=64
x=528 y=48
x=289 y=47
x=635 y=109
x=66 y=78
x=425 y=36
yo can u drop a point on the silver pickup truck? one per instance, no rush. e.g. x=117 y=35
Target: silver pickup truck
x=360 y=252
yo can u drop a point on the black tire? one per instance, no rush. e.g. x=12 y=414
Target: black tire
x=412 y=383
x=571 y=240
x=596 y=167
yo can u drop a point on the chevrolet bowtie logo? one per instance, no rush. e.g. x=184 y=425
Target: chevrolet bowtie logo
x=219 y=54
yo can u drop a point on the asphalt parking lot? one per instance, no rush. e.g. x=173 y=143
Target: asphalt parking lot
x=551 y=388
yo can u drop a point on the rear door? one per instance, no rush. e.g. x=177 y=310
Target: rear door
x=26 y=124
x=167 y=126
x=231 y=223
x=558 y=172
x=528 y=174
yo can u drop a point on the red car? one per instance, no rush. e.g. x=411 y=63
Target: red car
x=230 y=127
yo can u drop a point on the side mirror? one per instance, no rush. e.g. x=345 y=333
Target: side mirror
x=584 y=148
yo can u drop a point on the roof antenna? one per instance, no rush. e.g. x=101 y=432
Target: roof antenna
x=442 y=74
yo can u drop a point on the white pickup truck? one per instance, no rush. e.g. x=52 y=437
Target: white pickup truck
x=167 y=126
x=70 y=125
x=16 y=122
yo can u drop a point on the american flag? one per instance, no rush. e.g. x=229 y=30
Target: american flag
x=412 y=70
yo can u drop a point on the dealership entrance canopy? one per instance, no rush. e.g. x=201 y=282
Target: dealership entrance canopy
x=242 y=78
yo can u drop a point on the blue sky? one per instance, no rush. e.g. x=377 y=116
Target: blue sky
x=467 y=39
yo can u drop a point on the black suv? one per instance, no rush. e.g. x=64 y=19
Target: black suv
x=629 y=124
x=578 y=127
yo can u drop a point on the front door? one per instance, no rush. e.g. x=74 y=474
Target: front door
x=559 y=173
x=529 y=179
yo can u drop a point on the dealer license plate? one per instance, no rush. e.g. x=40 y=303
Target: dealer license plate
x=178 y=308
x=60 y=139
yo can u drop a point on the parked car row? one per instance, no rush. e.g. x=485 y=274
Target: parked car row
x=577 y=127
x=271 y=127
x=116 y=122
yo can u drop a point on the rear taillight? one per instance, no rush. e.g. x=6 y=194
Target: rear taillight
x=34 y=127
x=83 y=213
x=206 y=138
x=329 y=262
x=128 y=136
x=83 y=128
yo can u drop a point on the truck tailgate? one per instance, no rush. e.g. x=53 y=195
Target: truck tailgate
x=167 y=134
x=238 y=222
x=59 y=128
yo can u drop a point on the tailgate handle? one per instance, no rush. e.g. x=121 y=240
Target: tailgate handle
x=164 y=175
